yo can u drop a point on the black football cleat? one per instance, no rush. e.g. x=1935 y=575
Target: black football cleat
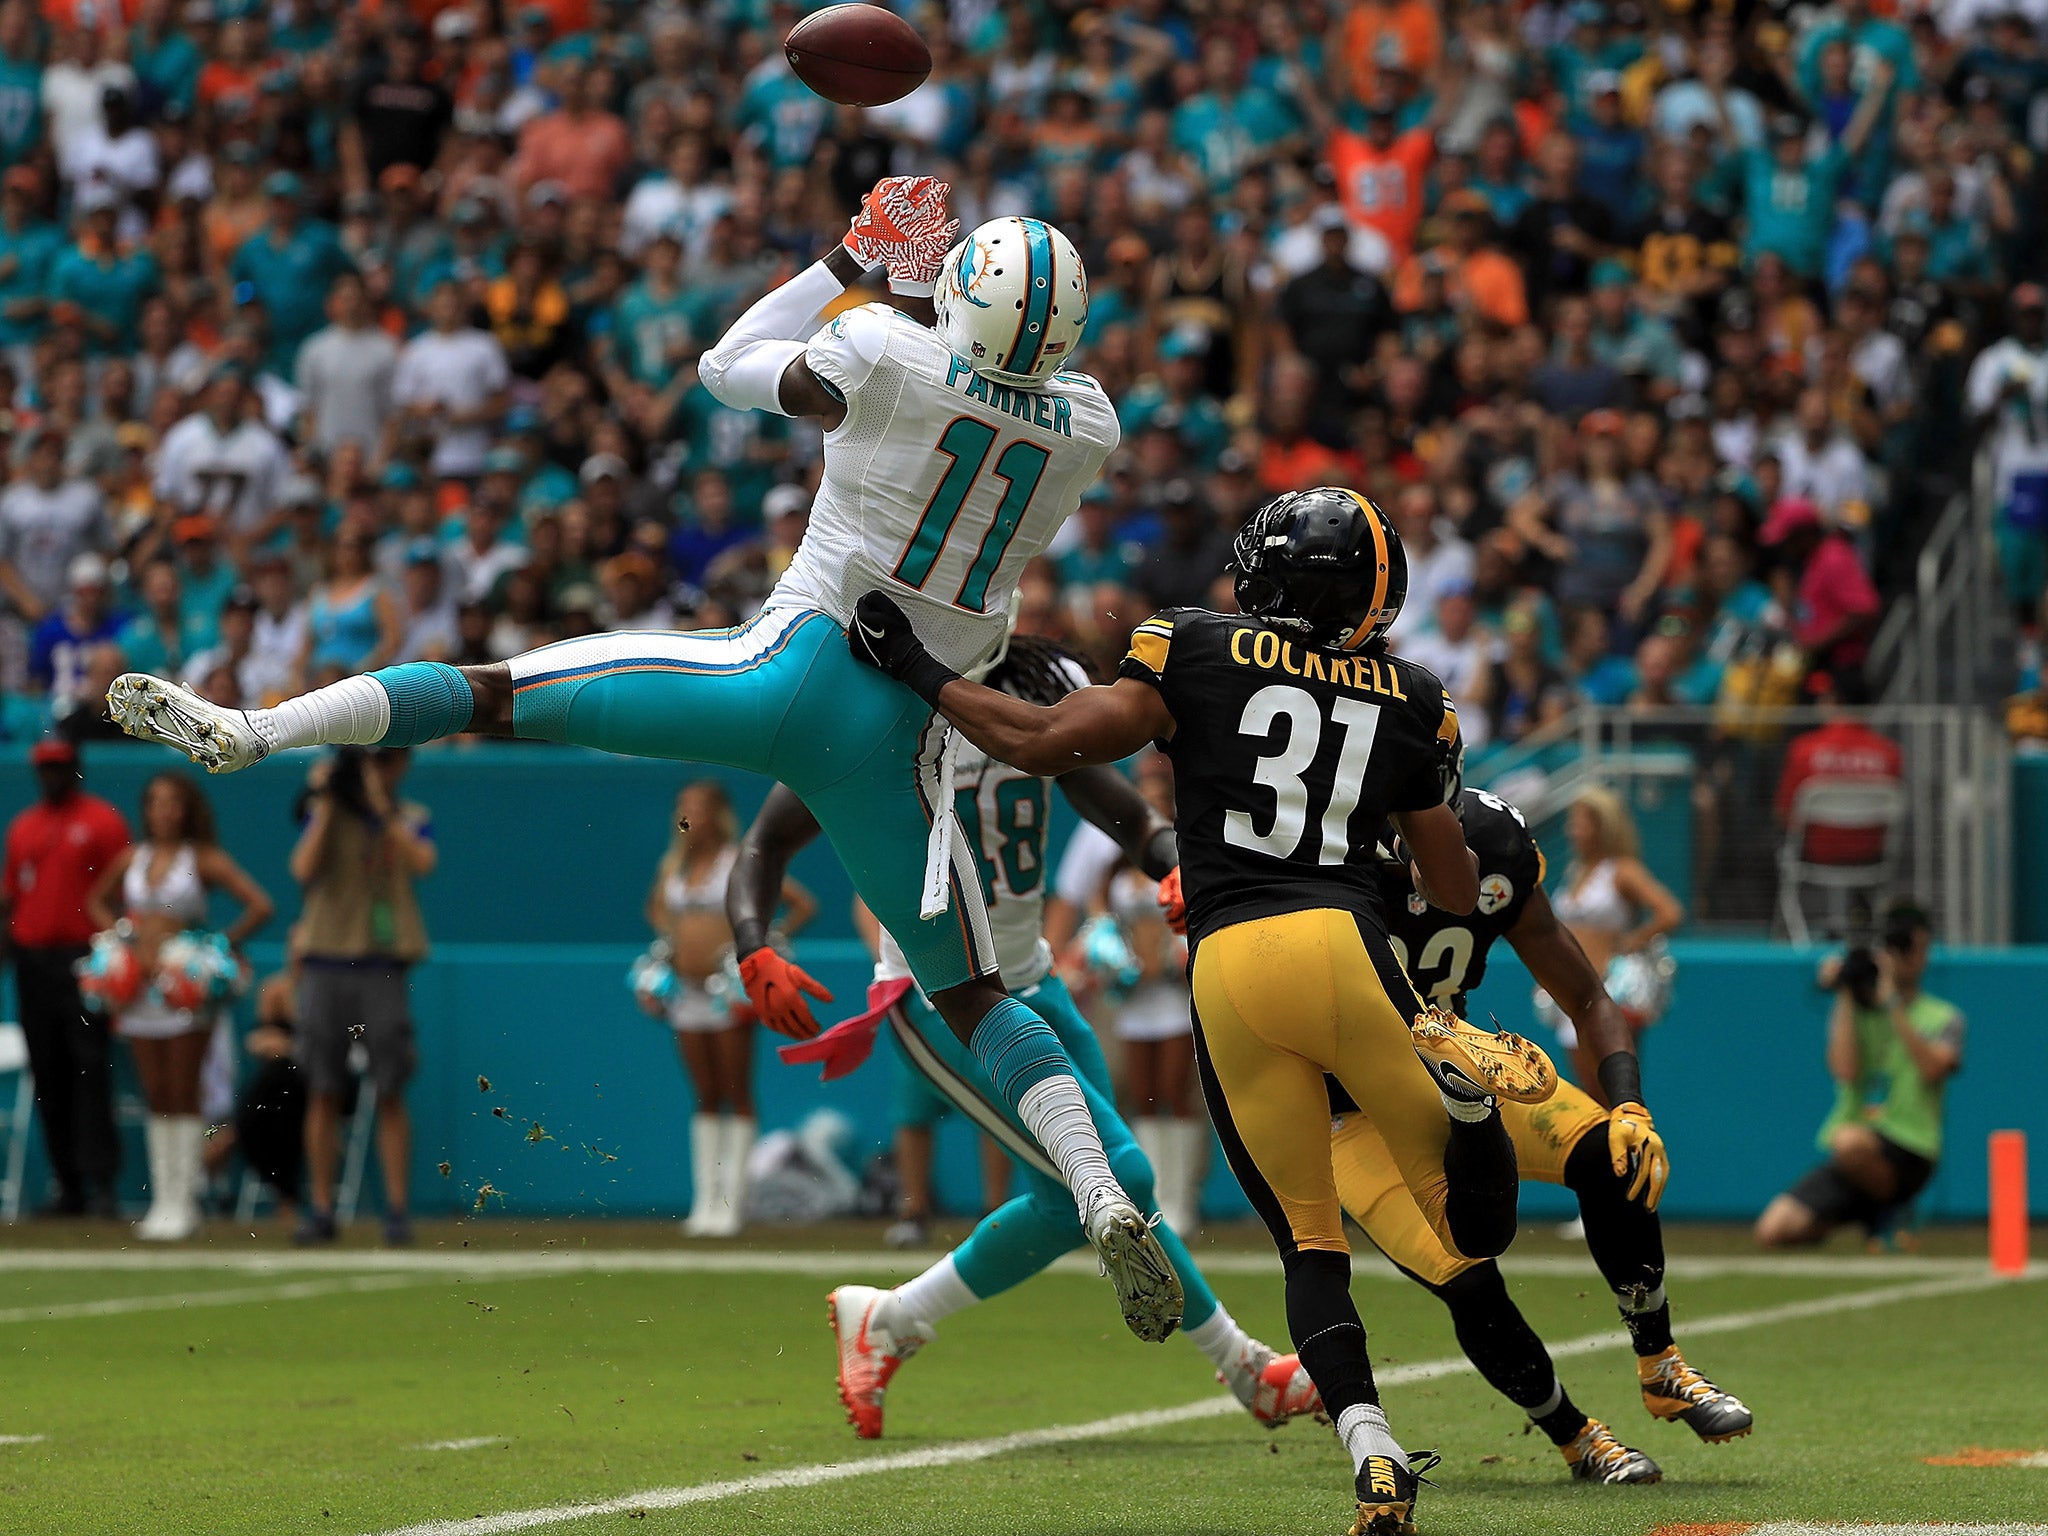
x=1386 y=1489
x=1598 y=1457
x=1674 y=1390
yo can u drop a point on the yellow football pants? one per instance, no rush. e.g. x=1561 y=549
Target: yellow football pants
x=1279 y=1001
x=1374 y=1191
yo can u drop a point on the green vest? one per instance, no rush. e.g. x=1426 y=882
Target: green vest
x=1889 y=1095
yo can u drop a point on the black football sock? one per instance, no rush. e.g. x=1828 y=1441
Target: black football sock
x=1327 y=1333
x=1479 y=1166
x=1498 y=1340
x=1626 y=1241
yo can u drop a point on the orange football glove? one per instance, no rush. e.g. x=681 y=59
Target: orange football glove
x=776 y=988
x=1176 y=905
x=902 y=225
x=1634 y=1147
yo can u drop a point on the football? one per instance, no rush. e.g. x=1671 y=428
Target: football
x=858 y=55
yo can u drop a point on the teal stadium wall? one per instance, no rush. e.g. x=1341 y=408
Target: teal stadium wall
x=535 y=912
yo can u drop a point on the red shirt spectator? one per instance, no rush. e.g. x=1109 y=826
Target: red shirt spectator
x=1840 y=749
x=1837 y=604
x=55 y=850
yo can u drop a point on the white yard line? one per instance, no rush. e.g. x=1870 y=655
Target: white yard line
x=473 y=1443
x=297 y=1290
x=23 y=1439
x=828 y=1264
x=1803 y=1528
x=960 y=1452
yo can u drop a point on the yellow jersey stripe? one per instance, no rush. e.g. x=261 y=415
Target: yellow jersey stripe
x=1149 y=643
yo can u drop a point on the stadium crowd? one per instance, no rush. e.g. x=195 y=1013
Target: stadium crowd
x=339 y=335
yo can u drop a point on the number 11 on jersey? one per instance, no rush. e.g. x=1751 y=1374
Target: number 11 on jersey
x=966 y=442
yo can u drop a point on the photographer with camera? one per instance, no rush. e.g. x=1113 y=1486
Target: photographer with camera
x=1891 y=1050
x=360 y=934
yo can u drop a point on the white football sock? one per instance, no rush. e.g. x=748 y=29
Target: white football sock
x=1363 y=1429
x=1228 y=1346
x=355 y=712
x=936 y=1294
x=1055 y=1112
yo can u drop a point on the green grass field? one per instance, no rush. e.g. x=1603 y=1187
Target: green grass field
x=252 y=1390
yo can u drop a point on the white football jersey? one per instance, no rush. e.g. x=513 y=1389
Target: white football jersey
x=940 y=485
x=1006 y=814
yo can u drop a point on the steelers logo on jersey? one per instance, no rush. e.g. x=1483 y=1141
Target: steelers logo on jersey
x=1495 y=892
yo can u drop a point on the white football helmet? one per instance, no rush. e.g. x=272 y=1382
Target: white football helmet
x=1012 y=299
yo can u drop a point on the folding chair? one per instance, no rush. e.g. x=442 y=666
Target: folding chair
x=1843 y=805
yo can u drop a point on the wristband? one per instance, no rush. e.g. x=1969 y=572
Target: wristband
x=1621 y=1078
x=1161 y=852
x=913 y=288
x=926 y=675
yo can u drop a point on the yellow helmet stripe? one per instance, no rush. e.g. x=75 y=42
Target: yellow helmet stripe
x=1382 y=571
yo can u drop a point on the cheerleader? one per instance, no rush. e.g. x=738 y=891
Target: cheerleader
x=713 y=1026
x=164 y=883
x=1619 y=912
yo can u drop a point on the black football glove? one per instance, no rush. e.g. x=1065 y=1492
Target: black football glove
x=881 y=636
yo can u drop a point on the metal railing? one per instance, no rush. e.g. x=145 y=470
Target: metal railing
x=1951 y=638
x=1704 y=783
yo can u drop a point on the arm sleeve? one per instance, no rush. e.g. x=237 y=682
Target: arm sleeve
x=744 y=367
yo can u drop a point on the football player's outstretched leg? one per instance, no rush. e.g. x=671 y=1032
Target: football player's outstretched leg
x=915 y=400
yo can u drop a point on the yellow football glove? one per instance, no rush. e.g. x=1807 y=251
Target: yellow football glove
x=1635 y=1147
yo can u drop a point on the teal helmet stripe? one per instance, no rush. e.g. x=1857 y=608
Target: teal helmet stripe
x=1038 y=301
x=1037 y=310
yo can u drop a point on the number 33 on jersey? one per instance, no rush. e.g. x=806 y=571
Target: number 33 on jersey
x=1287 y=754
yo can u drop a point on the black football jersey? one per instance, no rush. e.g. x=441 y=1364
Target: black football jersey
x=1287 y=758
x=1445 y=954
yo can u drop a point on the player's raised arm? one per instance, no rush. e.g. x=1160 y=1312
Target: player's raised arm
x=759 y=363
x=1089 y=726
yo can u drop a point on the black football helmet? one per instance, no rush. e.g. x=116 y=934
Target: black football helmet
x=1326 y=562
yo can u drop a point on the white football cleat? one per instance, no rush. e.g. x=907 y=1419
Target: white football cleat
x=1273 y=1388
x=875 y=1337
x=1147 y=1289
x=218 y=740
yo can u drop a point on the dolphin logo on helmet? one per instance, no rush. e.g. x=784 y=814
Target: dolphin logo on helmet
x=1012 y=300
x=968 y=274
